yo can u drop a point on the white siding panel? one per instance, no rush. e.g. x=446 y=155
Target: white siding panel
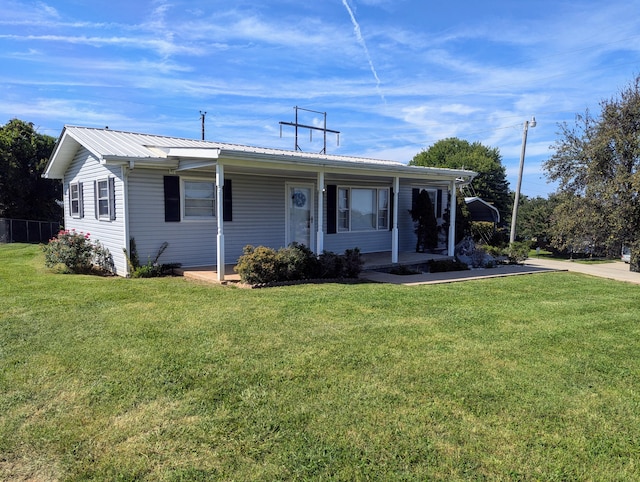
x=86 y=169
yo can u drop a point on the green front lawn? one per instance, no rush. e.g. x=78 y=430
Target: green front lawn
x=531 y=377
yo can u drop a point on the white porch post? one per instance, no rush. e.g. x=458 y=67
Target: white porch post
x=394 y=229
x=452 y=220
x=220 y=220
x=320 y=217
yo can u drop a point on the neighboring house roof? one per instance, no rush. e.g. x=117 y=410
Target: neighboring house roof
x=481 y=210
x=118 y=147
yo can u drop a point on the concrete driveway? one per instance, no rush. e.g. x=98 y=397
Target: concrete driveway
x=616 y=270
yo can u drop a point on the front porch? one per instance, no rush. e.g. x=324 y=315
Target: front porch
x=372 y=261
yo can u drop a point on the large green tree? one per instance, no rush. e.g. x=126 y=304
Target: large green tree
x=24 y=194
x=534 y=218
x=597 y=163
x=490 y=184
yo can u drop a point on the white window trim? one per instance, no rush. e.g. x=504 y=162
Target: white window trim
x=349 y=209
x=77 y=214
x=109 y=200
x=183 y=200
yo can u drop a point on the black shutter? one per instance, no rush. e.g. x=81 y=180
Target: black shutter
x=439 y=204
x=171 y=199
x=227 y=206
x=391 y=205
x=332 y=208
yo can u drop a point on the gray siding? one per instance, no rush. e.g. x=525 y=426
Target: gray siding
x=86 y=169
x=258 y=219
x=259 y=210
x=191 y=243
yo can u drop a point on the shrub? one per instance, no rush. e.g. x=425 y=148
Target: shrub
x=264 y=265
x=297 y=262
x=73 y=252
x=444 y=265
x=518 y=252
x=495 y=251
x=258 y=265
x=352 y=263
x=330 y=265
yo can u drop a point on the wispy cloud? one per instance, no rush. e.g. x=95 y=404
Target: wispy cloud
x=361 y=41
x=162 y=46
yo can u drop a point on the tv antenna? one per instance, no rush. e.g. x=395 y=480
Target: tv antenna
x=324 y=129
x=202 y=116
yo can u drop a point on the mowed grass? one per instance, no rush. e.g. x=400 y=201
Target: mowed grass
x=524 y=378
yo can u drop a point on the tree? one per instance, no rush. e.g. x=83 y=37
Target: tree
x=597 y=162
x=534 y=218
x=24 y=193
x=491 y=183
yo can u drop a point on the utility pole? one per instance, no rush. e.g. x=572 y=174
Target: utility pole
x=324 y=129
x=202 y=115
x=514 y=215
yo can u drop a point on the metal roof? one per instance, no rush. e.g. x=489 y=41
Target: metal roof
x=107 y=144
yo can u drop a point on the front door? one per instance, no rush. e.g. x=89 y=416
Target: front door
x=300 y=224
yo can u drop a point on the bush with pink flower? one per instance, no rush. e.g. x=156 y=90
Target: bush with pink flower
x=74 y=252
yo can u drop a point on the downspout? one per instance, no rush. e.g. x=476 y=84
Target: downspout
x=220 y=220
x=394 y=230
x=125 y=205
x=453 y=204
x=320 y=216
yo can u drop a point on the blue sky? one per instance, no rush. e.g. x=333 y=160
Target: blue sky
x=393 y=76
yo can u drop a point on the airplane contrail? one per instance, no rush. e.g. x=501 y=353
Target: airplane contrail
x=356 y=28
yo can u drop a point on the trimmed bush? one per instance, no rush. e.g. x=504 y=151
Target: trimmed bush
x=296 y=262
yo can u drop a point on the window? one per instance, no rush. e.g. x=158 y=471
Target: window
x=343 y=210
x=103 y=199
x=104 y=191
x=75 y=199
x=199 y=199
x=383 y=209
x=363 y=209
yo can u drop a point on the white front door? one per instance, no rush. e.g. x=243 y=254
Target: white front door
x=300 y=209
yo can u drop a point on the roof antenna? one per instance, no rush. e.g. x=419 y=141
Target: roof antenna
x=202 y=115
x=311 y=128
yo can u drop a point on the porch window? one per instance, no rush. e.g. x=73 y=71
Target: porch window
x=199 y=199
x=363 y=209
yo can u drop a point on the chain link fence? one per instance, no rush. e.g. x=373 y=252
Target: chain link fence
x=25 y=231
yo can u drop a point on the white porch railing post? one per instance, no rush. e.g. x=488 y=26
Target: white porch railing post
x=220 y=221
x=320 y=217
x=394 y=229
x=453 y=204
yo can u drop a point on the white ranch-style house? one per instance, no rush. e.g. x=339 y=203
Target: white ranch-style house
x=208 y=200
